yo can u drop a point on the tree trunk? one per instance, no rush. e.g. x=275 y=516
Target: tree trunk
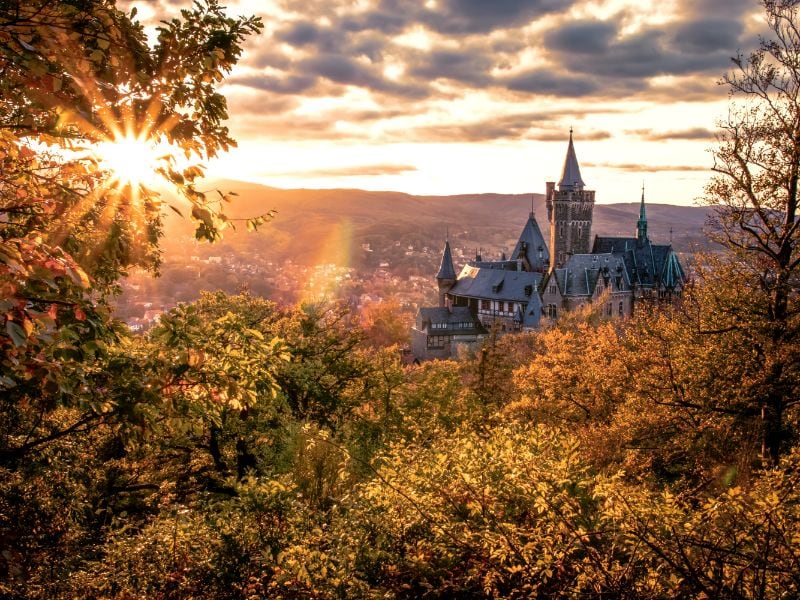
x=214 y=450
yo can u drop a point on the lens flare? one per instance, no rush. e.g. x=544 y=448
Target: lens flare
x=131 y=161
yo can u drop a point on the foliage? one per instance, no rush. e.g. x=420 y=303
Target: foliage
x=386 y=324
x=755 y=195
x=322 y=340
x=241 y=449
x=75 y=74
x=738 y=543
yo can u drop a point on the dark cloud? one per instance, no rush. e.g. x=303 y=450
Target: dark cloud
x=482 y=16
x=603 y=51
x=299 y=34
x=347 y=71
x=587 y=58
x=387 y=20
x=548 y=83
x=695 y=133
x=292 y=84
x=583 y=37
x=269 y=58
x=468 y=66
x=714 y=8
x=707 y=35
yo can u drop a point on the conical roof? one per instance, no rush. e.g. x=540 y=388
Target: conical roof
x=571 y=175
x=641 y=224
x=531 y=244
x=446 y=269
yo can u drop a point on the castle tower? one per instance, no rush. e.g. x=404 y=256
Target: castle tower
x=569 y=210
x=446 y=277
x=641 y=224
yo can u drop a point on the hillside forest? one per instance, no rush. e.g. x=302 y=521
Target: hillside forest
x=245 y=449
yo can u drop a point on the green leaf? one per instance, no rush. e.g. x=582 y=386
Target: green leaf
x=17 y=333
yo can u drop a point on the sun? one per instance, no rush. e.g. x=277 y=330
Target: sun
x=131 y=160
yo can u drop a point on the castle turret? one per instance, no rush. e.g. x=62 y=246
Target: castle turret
x=569 y=210
x=531 y=250
x=641 y=224
x=446 y=276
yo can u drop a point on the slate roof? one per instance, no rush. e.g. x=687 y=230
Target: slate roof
x=531 y=243
x=532 y=314
x=499 y=265
x=580 y=275
x=452 y=318
x=649 y=265
x=495 y=284
x=446 y=269
x=571 y=174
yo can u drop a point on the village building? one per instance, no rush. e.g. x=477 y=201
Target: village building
x=544 y=278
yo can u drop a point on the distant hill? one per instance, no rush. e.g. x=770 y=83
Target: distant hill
x=331 y=225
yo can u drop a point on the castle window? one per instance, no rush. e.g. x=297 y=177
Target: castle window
x=486 y=305
x=621 y=309
x=437 y=341
x=552 y=288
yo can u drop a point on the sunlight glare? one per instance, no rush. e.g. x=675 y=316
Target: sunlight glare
x=132 y=161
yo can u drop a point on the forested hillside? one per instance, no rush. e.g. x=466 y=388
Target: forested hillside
x=244 y=450
x=305 y=219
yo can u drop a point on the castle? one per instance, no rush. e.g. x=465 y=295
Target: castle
x=541 y=279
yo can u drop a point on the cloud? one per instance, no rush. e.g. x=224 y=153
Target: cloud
x=299 y=34
x=560 y=135
x=482 y=16
x=508 y=51
x=540 y=126
x=707 y=35
x=730 y=8
x=246 y=104
x=582 y=37
x=351 y=171
x=695 y=133
x=292 y=84
x=468 y=66
x=344 y=70
x=547 y=83
x=607 y=59
x=635 y=167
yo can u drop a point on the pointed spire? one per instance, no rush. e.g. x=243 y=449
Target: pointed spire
x=571 y=175
x=641 y=224
x=446 y=270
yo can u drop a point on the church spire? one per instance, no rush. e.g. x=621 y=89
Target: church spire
x=571 y=175
x=447 y=271
x=641 y=224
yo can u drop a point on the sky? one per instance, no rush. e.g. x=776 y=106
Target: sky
x=439 y=97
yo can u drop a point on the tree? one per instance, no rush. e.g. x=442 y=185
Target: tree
x=386 y=324
x=75 y=74
x=755 y=195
